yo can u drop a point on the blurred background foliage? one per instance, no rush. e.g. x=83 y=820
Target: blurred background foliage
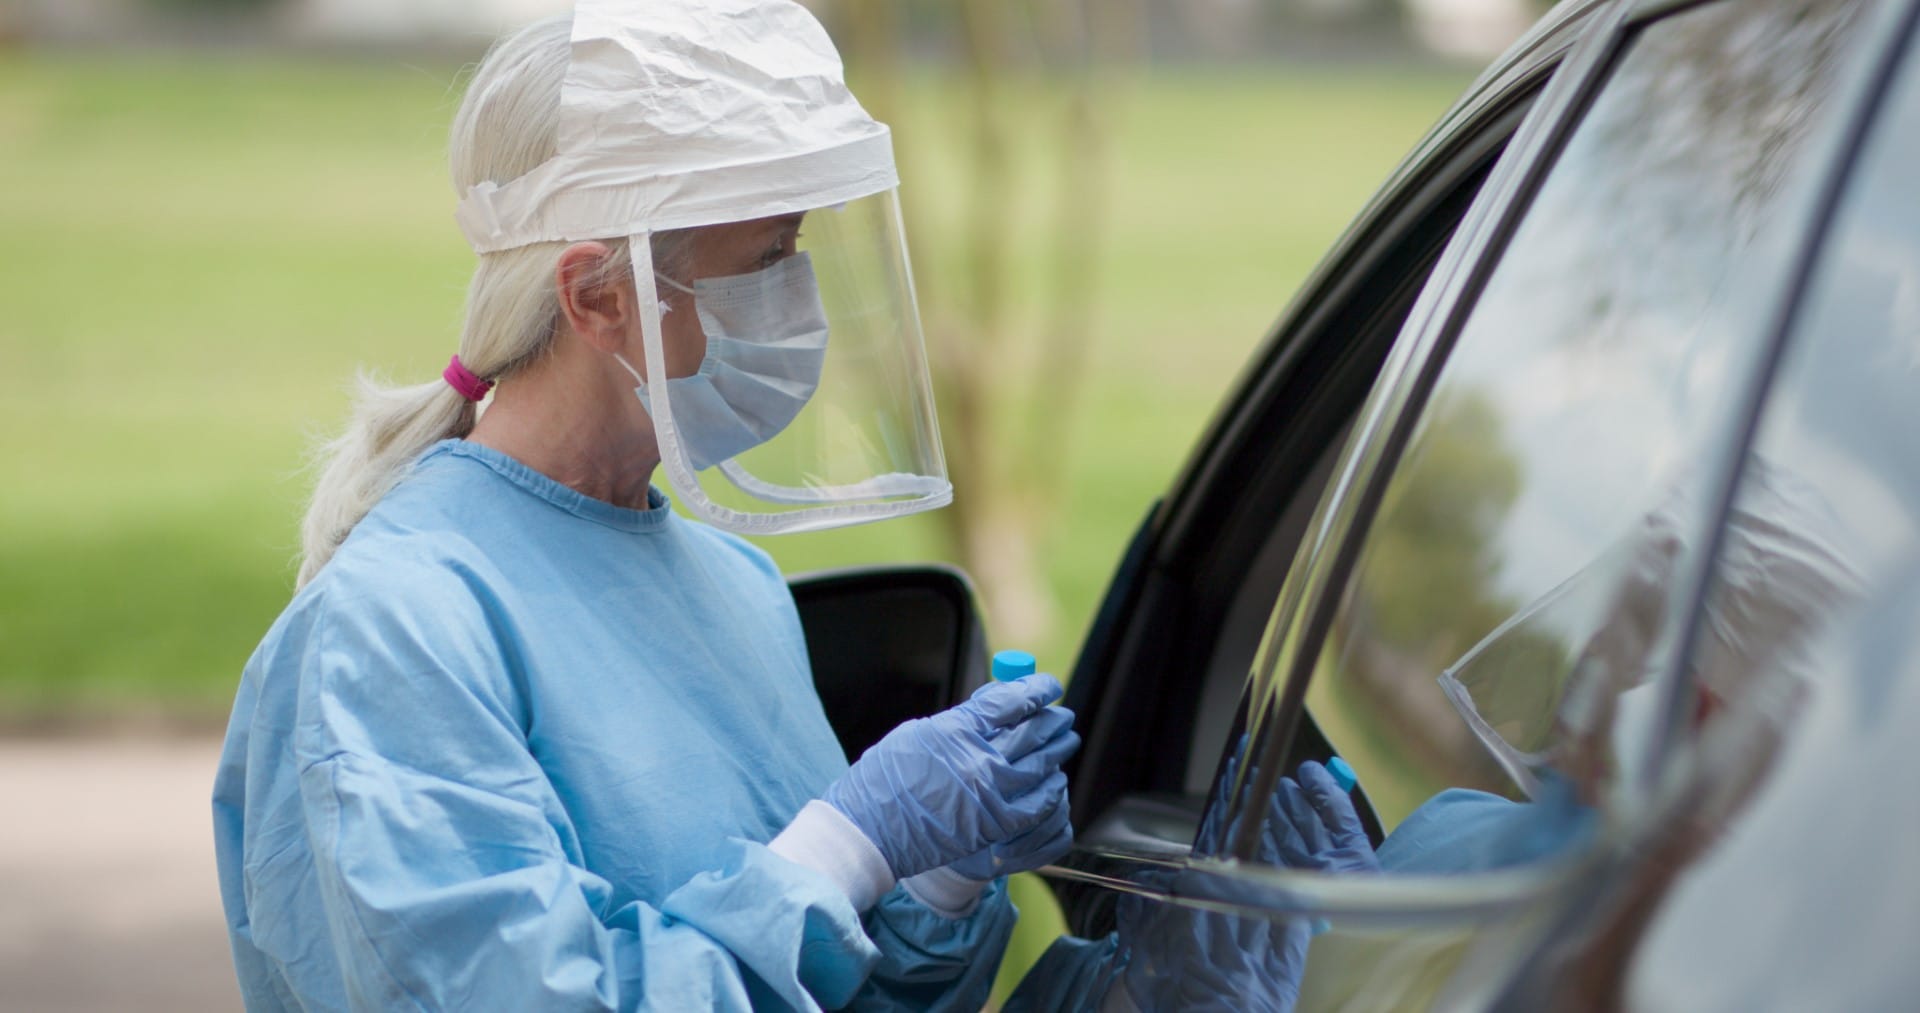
x=198 y=246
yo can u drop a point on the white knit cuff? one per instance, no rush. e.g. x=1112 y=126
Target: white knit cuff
x=821 y=838
x=945 y=892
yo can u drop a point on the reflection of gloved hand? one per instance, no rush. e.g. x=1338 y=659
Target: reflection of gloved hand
x=1183 y=958
x=940 y=789
x=1046 y=841
x=1180 y=958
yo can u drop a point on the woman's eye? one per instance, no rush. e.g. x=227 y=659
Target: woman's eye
x=780 y=251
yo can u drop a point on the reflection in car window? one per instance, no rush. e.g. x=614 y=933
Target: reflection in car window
x=1484 y=669
x=1821 y=711
x=1510 y=588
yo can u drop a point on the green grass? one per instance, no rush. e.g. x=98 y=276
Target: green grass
x=197 y=252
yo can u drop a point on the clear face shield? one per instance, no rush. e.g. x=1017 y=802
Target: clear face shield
x=797 y=394
x=781 y=358
x=1571 y=681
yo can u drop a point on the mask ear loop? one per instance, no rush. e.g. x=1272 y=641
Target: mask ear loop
x=661 y=276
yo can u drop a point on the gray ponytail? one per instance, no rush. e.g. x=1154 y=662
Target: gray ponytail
x=504 y=128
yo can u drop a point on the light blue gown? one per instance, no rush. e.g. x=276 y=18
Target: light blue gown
x=515 y=748
x=1460 y=831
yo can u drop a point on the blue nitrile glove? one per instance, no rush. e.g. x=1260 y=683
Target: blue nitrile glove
x=1212 y=837
x=1046 y=842
x=1182 y=958
x=1314 y=825
x=937 y=790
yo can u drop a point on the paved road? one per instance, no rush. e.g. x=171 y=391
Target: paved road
x=107 y=892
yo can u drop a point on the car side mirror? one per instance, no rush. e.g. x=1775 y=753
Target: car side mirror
x=888 y=644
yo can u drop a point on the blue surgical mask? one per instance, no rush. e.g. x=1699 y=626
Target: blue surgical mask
x=766 y=341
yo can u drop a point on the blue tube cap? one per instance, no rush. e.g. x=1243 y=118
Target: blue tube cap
x=1011 y=665
x=1343 y=774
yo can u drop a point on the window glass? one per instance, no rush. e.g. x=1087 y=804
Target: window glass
x=1507 y=595
x=1485 y=670
x=1484 y=673
x=1808 y=690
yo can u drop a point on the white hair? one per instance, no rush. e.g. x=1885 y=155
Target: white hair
x=503 y=129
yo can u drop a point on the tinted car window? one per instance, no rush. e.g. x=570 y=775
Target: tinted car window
x=1808 y=695
x=1511 y=584
x=1510 y=590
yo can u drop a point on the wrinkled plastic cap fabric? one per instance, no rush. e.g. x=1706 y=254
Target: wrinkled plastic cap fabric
x=681 y=114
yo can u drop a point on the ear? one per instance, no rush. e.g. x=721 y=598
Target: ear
x=601 y=314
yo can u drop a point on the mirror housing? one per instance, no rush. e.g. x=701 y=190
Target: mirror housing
x=888 y=644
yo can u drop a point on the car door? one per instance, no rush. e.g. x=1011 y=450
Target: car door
x=1483 y=609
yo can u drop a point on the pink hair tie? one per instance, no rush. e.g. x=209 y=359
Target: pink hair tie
x=461 y=378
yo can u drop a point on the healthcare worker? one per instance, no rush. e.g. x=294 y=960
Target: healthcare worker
x=526 y=740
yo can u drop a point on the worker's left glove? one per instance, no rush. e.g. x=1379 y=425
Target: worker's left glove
x=1045 y=843
x=1313 y=825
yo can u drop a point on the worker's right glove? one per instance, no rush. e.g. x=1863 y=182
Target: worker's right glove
x=1182 y=957
x=1046 y=842
x=939 y=789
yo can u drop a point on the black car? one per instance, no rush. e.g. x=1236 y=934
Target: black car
x=1578 y=493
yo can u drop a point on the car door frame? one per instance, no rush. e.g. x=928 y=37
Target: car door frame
x=1132 y=682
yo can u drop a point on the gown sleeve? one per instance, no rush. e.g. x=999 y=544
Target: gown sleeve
x=449 y=876
x=929 y=961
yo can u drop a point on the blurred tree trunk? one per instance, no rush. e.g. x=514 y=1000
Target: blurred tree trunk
x=991 y=523
x=1008 y=385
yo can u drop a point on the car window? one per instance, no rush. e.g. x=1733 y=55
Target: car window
x=1808 y=670
x=1486 y=648
x=1490 y=645
x=1242 y=559
x=1188 y=604
x=1509 y=589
